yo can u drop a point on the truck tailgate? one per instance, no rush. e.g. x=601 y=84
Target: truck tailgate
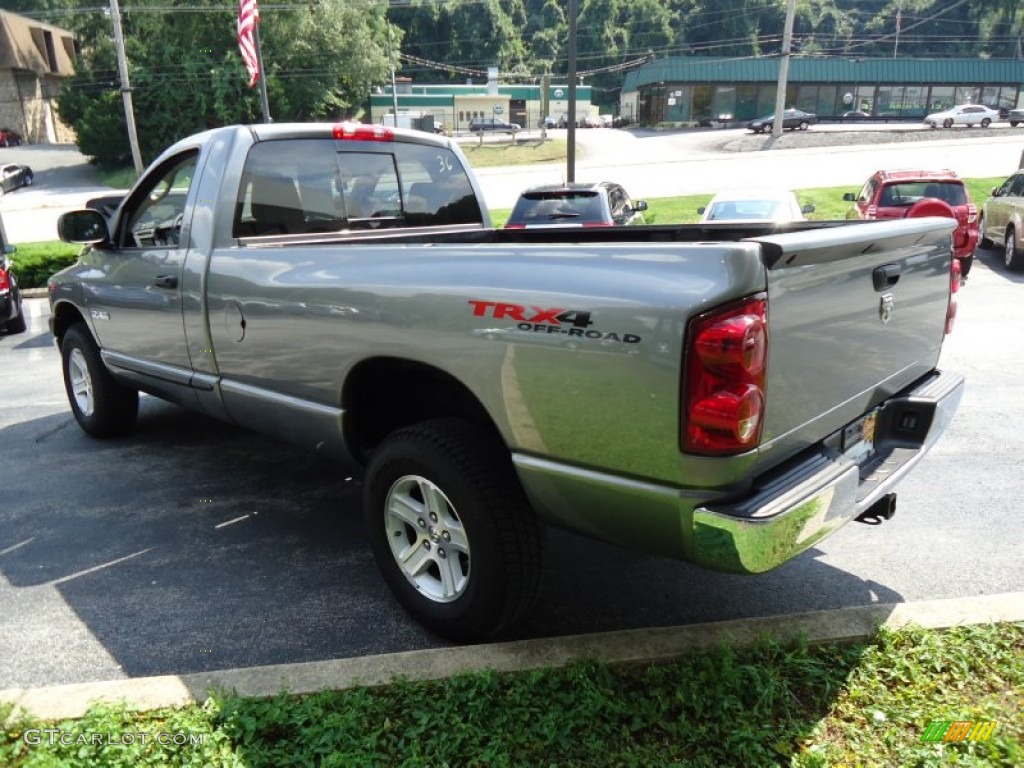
x=851 y=322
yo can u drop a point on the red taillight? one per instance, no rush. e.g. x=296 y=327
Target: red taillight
x=363 y=132
x=515 y=226
x=954 y=286
x=725 y=379
x=972 y=213
x=5 y=281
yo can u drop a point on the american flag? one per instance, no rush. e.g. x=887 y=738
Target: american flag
x=248 y=18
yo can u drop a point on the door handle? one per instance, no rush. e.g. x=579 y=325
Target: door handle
x=885 y=276
x=166 y=281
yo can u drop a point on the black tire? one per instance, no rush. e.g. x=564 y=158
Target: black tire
x=101 y=406
x=1013 y=257
x=986 y=122
x=29 y=178
x=947 y=123
x=1014 y=123
x=804 y=125
x=983 y=242
x=18 y=324
x=480 y=513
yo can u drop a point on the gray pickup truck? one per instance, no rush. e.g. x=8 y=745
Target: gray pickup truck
x=724 y=394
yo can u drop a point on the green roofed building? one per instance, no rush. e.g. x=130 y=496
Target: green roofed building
x=696 y=90
x=456 y=105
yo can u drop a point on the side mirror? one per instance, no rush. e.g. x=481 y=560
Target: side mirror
x=808 y=208
x=10 y=248
x=701 y=209
x=849 y=197
x=86 y=227
x=639 y=205
x=995 y=191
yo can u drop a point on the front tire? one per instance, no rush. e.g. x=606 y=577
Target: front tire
x=804 y=125
x=986 y=122
x=451 y=529
x=101 y=406
x=947 y=123
x=1012 y=255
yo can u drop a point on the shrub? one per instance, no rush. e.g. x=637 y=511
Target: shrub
x=35 y=262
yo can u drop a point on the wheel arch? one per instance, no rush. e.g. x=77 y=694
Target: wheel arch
x=66 y=314
x=384 y=394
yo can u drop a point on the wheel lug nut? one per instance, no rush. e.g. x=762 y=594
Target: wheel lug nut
x=446 y=536
x=433 y=517
x=426 y=545
x=441 y=553
x=421 y=523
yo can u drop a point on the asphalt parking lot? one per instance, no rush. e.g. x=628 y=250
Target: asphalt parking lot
x=191 y=546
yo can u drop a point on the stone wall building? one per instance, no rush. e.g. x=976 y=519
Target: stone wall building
x=34 y=60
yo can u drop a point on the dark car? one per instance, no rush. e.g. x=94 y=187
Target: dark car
x=909 y=193
x=9 y=138
x=1015 y=116
x=13 y=176
x=12 y=317
x=493 y=124
x=604 y=204
x=791 y=120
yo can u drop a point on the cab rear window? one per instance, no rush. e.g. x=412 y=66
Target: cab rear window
x=909 y=192
x=307 y=186
x=550 y=207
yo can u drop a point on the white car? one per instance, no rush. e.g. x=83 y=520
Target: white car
x=966 y=114
x=764 y=205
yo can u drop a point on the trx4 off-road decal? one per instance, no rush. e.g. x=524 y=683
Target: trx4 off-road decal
x=567 y=322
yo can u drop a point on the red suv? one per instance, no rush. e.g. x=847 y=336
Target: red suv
x=902 y=194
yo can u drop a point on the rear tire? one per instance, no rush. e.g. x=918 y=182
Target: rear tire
x=985 y=123
x=804 y=125
x=451 y=529
x=101 y=406
x=1012 y=255
x=984 y=242
x=947 y=123
x=18 y=324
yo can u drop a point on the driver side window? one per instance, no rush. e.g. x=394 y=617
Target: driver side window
x=159 y=207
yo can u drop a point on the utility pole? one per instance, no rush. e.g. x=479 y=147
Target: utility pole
x=126 y=89
x=570 y=153
x=780 y=93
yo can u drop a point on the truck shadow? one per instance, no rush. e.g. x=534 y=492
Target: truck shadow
x=191 y=546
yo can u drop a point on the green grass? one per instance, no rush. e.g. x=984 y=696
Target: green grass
x=864 y=704
x=523 y=152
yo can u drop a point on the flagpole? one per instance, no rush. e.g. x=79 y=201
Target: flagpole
x=264 y=102
x=899 y=23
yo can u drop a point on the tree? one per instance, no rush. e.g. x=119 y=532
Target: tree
x=187 y=75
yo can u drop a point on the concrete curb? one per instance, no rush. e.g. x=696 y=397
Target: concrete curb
x=34 y=293
x=630 y=646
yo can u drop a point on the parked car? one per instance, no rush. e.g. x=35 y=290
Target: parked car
x=493 y=124
x=1015 y=116
x=965 y=114
x=1002 y=219
x=10 y=138
x=13 y=176
x=591 y=121
x=12 y=316
x=580 y=204
x=910 y=193
x=763 y=205
x=791 y=120
x=856 y=114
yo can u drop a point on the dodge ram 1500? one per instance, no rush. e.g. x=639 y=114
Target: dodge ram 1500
x=726 y=394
